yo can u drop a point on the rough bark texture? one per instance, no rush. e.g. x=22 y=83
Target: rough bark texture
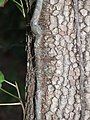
x=62 y=57
x=30 y=85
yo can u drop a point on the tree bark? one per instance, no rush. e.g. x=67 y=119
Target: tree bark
x=60 y=87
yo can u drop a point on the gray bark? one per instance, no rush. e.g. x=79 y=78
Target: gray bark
x=61 y=81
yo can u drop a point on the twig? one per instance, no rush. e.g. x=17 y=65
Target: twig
x=10 y=83
x=22 y=8
x=7 y=104
x=20 y=99
x=17 y=3
x=9 y=93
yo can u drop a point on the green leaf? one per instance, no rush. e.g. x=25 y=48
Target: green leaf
x=2 y=3
x=1 y=77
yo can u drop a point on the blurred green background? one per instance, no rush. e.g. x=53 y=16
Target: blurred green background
x=12 y=58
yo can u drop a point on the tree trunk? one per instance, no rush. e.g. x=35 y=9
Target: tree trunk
x=59 y=88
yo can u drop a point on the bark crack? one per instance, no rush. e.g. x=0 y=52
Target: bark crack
x=81 y=62
x=36 y=29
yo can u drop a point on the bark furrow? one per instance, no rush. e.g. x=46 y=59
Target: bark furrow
x=62 y=52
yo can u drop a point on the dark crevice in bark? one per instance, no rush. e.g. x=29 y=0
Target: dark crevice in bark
x=34 y=67
x=34 y=98
x=31 y=40
x=33 y=61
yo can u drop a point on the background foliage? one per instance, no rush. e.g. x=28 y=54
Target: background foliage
x=12 y=57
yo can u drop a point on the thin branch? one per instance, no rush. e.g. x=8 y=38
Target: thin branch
x=9 y=93
x=17 y=3
x=23 y=8
x=10 y=83
x=20 y=99
x=19 y=96
x=7 y=104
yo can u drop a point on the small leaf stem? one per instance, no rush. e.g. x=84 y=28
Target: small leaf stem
x=17 y=3
x=10 y=83
x=22 y=8
x=7 y=104
x=9 y=93
x=20 y=100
